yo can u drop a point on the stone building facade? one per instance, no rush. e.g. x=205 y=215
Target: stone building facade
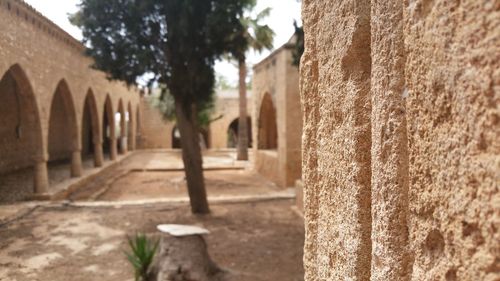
x=401 y=139
x=53 y=106
x=224 y=129
x=156 y=132
x=277 y=113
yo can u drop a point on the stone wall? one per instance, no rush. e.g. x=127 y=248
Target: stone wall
x=400 y=146
x=226 y=111
x=38 y=60
x=275 y=88
x=155 y=131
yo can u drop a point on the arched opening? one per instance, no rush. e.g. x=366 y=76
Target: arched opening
x=176 y=138
x=121 y=132
x=108 y=130
x=130 y=127
x=268 y=129
x=232 y=133
x=138 y=126
x=91 y=145
x=21 y=144
x=63 y=136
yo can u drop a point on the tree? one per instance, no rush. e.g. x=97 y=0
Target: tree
x=298 y=49
x=177 y=41
x=252 y=36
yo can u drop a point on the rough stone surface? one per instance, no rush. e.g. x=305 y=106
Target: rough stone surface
x=389 y=151
x=337 y=139
x=400 y=145
x=453 y=83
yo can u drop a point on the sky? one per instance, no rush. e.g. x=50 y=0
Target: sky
x=283 y=13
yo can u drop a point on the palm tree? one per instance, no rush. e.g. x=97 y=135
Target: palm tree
x=258 y=37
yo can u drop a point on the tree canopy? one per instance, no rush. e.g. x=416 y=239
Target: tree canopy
x=175 y=41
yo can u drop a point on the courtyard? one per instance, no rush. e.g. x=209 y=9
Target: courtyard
x=255 y=234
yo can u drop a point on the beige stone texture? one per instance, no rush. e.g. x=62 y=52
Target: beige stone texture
x=453 y=87
x=278 y=117
x=401 y=151
x=389 y=151
x=45 y=80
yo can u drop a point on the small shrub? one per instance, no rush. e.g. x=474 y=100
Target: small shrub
x=141 y=256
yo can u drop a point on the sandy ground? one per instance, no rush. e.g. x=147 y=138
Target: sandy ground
x=260 y=241
x=144 y=185
x=256 y=241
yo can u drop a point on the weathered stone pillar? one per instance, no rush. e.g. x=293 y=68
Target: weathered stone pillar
x=98 y=154
x=390 y=259
x=41 y=178
x=76 y=164
x=133 y=143
x=335 y=90
x=123 y=145
x=112 y=149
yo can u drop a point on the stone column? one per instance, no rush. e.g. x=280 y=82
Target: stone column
x=133 y=142
x=76 y=164
x=98 y=154
x=123 y=145
x=390 y=259
x=41 y=178
x=112 y=149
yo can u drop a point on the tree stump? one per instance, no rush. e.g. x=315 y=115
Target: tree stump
x=184 y=259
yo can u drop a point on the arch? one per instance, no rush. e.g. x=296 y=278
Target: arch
x=176 y=137
x=21 y=139
x=130 y=127
x=108 y=129
x=91 y=133
x=63 y=129
x=267 y=129
x=232 y=132
x=121 y=119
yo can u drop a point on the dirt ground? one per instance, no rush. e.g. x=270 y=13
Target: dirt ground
x=143 y=185
x=77 y=240
x=257 y=241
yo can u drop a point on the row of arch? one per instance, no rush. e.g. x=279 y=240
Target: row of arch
x=22 y=139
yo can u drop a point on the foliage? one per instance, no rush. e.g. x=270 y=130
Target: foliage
x=177 y=41
x=253 y=35
x=299 y=44
x=141 y=257
x=165 y=103
x=222 y=83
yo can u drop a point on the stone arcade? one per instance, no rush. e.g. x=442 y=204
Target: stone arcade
x=54 y=108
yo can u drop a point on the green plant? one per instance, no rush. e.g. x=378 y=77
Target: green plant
x=141 y=257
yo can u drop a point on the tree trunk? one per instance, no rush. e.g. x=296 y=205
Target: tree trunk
x=243 y=124
x=191 y=156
